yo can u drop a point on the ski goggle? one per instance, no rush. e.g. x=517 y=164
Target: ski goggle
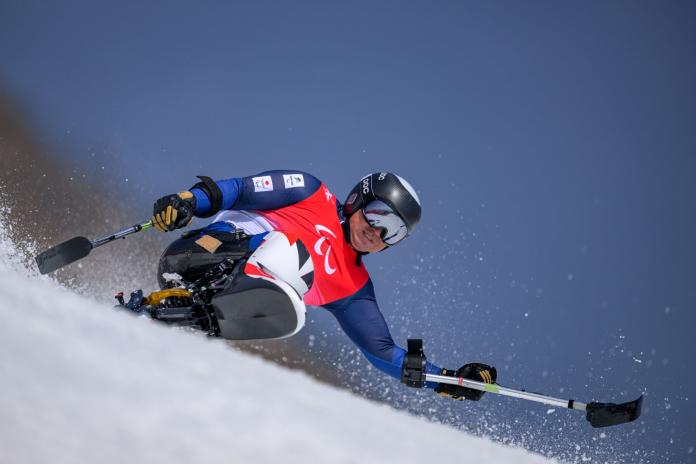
x=379 y=214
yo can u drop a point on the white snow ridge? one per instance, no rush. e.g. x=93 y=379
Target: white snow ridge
x=82 y=383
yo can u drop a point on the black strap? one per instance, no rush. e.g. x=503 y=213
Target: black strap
x=413 y=368
x=211 y=189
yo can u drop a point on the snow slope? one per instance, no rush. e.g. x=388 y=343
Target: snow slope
x=81 y=382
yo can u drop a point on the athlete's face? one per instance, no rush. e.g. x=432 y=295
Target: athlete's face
x=363 y=237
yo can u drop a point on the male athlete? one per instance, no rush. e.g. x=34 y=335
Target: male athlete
x=279 y=210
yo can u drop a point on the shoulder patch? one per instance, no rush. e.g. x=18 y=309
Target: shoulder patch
x=293 y=180
x=263 y=184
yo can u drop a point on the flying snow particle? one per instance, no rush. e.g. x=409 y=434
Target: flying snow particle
x=550 y=411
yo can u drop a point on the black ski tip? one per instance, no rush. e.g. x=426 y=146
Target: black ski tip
x=63 y=254
x=607 y=414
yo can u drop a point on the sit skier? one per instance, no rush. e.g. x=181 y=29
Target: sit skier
x=279 y=214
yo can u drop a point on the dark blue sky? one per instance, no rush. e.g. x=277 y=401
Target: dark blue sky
x=553 y=145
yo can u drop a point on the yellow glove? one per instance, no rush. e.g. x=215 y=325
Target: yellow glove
x=473 y=371
x=174 y=211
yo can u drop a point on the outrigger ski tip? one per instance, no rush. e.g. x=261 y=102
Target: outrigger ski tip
x=598 y=414
x=607 y=414
x=63 y=254
x=77 y=248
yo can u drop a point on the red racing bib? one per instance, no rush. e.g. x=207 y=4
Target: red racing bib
x=315 y=221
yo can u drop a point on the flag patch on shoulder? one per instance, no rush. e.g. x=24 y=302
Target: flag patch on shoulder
x=293 y=180
x=263 y=184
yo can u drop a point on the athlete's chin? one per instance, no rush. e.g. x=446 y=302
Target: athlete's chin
x=363 y=246
x=357 y=247
x=361 y=250
x=358 y=244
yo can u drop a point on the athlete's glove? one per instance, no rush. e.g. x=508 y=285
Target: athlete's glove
x=472 y=371
x=174 y=211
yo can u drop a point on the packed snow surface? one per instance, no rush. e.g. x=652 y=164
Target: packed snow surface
x=82 y=382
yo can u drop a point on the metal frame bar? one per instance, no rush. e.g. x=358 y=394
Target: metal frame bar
x=494 y=388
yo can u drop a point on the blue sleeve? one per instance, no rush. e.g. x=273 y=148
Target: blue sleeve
x=361 y=319
x=266 y=190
